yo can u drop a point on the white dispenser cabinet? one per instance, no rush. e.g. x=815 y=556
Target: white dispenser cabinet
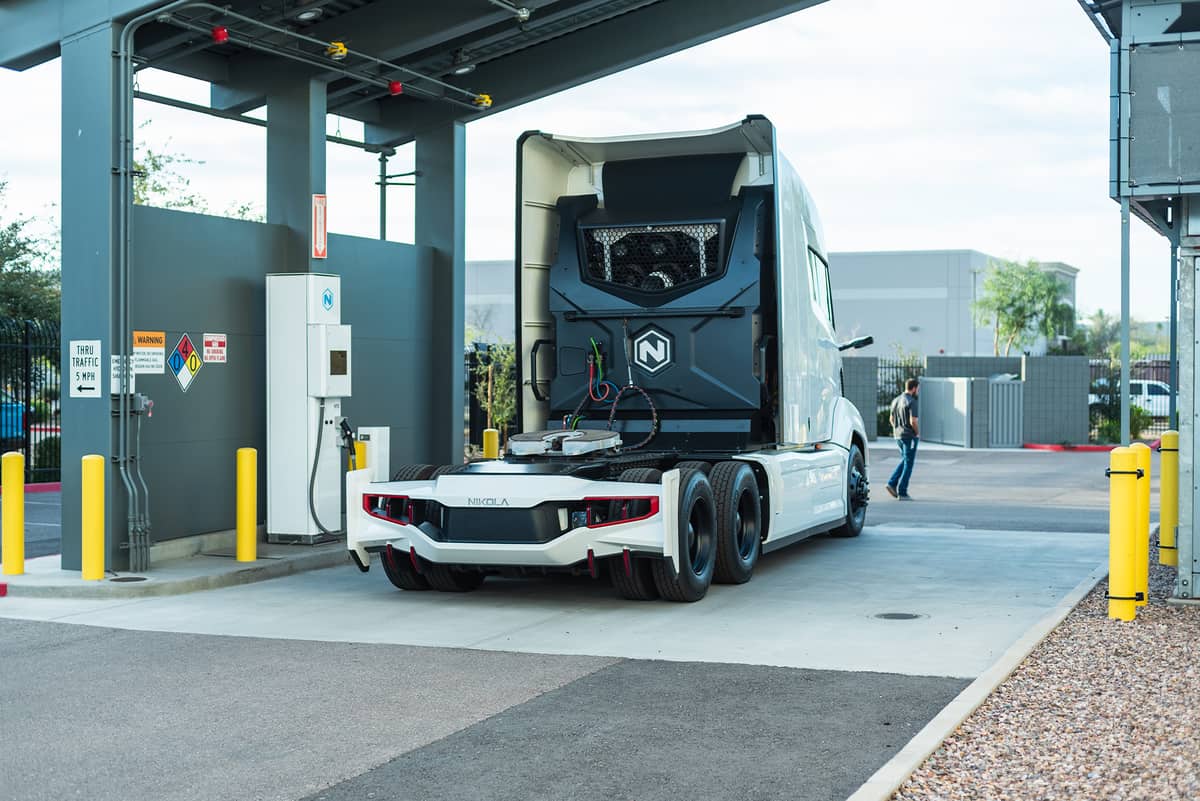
x=308 y=374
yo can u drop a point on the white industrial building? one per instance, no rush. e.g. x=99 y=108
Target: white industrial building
x=921 y=301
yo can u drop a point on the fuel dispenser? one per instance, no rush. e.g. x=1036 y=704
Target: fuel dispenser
x=308 y=375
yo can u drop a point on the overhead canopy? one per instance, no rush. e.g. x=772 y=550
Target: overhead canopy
x=512 y=51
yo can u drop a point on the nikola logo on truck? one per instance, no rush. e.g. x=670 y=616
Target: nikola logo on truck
x=652 y=350
x=487 y=502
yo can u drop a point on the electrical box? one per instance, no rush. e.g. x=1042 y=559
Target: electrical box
x=329 y=361
x=308 y=374
x=378 y=440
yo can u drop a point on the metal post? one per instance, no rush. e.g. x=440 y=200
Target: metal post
x=383 y=160
x=1173 y=379
x=1125 y=397
x=27 y=399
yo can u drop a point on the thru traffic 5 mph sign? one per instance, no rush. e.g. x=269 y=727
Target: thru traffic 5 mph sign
x=85 y=368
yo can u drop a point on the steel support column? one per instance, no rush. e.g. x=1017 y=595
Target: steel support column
x=440 y=225
x=90 y=142
x=296 y=166
x=1173 y=354
x=1125 y=397
x=1188 y=540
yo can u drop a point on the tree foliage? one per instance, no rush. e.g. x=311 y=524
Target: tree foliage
x=29 y=280
x=496 y=386
x=158 y=181
x=1020 y=301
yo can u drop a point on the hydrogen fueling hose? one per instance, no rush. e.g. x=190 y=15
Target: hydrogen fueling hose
x=312 y=477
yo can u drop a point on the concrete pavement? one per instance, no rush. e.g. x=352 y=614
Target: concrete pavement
x=789 y=687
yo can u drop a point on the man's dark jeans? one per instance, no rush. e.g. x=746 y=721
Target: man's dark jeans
x=903 y=471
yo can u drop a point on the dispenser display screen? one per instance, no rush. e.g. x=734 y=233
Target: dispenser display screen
x=337 y=362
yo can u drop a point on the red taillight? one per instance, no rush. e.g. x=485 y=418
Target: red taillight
x=220 y=34
x=392 y=508
x=614 y=511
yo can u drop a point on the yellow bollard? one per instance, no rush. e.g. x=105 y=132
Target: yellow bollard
x=360 y=455
x=491 y=443
x=1168 y=498
x=93 y=517
x=247 y=504
x=12 y=541
x=1141 y=542
x=1122 y=520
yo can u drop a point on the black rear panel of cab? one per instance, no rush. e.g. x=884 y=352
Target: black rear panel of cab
x=674 y=264
x=540 y=524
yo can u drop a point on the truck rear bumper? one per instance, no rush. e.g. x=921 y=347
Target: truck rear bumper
x=368 y=533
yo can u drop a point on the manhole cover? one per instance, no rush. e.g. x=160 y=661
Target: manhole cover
x=898 y=616
x=128 y=578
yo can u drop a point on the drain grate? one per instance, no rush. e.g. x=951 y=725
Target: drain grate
x=898 y=616
x=126 y=579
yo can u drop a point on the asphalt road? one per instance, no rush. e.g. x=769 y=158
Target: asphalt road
x=43 y=516
x=160 y=715
x=1020 y=490
x=149 y=716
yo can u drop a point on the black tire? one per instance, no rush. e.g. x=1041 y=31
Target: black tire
x=447 y=468
x=739 y=521
x=696 y=543
x=399 y=570
x=446 y=578
x=413 y=472
x=857 y=496
x=703 y=467
x=640 y=585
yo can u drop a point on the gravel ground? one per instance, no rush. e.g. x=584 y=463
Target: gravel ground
x=1100 y=710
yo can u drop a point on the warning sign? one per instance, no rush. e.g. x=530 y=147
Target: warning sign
x=85 y=368
x=185 y=362
x=320 y=228
x=214 y=348
x=149 y=351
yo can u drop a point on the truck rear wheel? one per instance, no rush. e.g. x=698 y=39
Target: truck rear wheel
x=856 y=496
x=638 y=584
x=447 y=579
x=695 y=543
x=413 y=472
x=399 y=570
x=739 y=522
x=703 y=467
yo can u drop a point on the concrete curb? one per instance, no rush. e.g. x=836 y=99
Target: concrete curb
x=889 y=778
x=260 y=571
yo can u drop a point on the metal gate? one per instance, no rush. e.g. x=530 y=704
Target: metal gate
x=1006 y=421
x=945 y=411
x=29 y=388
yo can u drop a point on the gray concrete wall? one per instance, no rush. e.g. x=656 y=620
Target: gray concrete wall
x=971 y=367
x=199 y=274
x=979 y=412
x=1055 y=403
x=860 y=381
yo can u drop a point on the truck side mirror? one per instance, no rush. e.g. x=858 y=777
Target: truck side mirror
x=861 y=342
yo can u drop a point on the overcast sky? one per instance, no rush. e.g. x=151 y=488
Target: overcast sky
x=927 y=124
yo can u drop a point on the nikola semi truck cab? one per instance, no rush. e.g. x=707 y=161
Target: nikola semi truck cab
x=680 y=384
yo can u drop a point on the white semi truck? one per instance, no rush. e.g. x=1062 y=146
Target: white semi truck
x=681 y=402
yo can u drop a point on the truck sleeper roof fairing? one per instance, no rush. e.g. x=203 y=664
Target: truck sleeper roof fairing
x=693 y=262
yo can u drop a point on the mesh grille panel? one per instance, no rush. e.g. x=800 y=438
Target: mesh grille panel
x=653 y=258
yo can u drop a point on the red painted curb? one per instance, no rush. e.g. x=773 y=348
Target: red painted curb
x=45 y=486
x=3 y=590
x=1038 y=446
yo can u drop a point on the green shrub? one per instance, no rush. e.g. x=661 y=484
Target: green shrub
x=47 y=459
x=39 y=411
x=1108 y=429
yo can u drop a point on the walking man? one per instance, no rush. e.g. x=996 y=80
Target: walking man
x=907 y=432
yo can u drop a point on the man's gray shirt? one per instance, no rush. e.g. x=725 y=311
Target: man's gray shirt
x=904 y=409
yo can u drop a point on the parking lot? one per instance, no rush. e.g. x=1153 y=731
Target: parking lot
x=334 y=685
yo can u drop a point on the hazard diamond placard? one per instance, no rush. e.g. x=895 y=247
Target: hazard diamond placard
x=185 y=362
